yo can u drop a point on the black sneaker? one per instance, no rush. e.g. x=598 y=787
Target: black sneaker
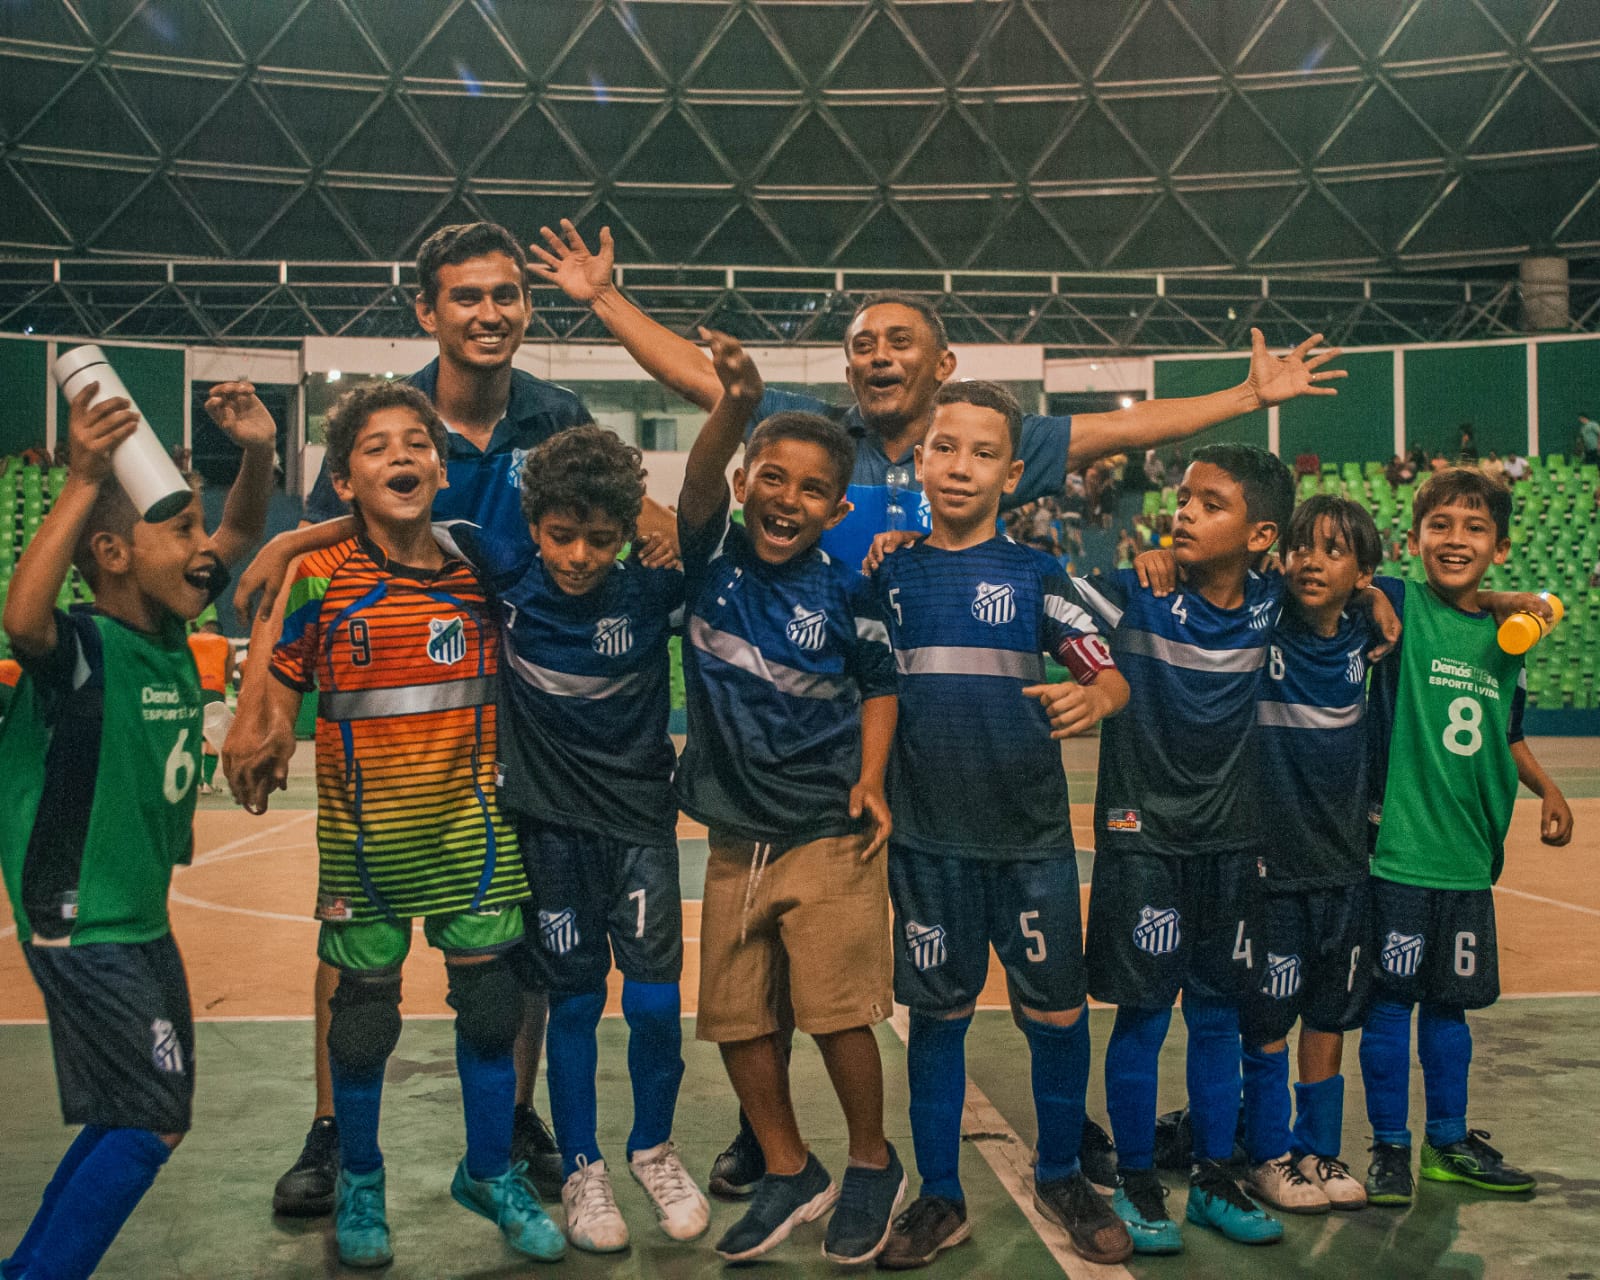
x=1174 y=1150
x=1098 y=1234
x=864 y=1217
x=534 y=1145
x=736 y=1171
x=778 y=1205
x=1389 y=1174
x=1098 y=1156
x=306 y=1191
x=1475 y=1162
x=930 y=1225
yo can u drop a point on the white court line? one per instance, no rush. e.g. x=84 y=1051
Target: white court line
x=211 y=855
x=1539 y=897
x=987 y=1130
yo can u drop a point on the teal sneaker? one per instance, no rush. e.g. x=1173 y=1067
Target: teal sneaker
x=1219 y=1202
x=359 y=1222
x=1141 y=1202
x=511 y=1203
x=1475 y=1162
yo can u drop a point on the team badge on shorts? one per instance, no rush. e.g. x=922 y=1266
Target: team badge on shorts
x=1123 y=820
x=613 y=637
x=1282 y=978
x=559 y=930
x=926 y=944
x=808 y=629
x=1157 y=932
x=995 y=603
x=447 y=640
x=1401 y=954
x=165 y=1050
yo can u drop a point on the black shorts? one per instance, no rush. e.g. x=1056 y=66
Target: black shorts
x=1160 y=924
x=595 y=897
x=1435 y=945
x=1310 y=958
x=121 y=1031
x=949 y=911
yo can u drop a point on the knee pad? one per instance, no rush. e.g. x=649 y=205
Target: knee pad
x=487 y=999
x=365 y=1023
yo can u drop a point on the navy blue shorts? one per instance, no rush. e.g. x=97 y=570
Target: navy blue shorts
x=595 y=897
x=1436 y=945
x=949 y=911
x=122 y=1032
x=1310 y=955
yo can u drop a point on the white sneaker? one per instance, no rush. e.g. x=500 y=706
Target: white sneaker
x=593 y=1223
x=1333 y=1177
x=1281 y=1184
x=680 y=1206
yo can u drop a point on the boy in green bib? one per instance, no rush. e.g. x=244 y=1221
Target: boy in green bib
x=1445 y=731
x=89 y=833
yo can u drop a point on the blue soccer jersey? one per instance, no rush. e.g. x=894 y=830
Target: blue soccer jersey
x=1313 y=753
x=974 y=772
x=1179 y=768
x=886 y=492
x=584 y=690
x=777 y=661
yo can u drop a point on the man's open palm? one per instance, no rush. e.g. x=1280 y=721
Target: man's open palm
x=565 y=261
x=1275 y=379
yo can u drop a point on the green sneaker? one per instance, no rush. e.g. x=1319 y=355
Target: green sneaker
x=1475 y=1162
x=360 y=1223
x=1389 y=1175
x=511 y=1203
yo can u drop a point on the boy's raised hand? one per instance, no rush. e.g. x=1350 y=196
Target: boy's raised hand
x=235 y=407
x=736 y=371
x=1158 y=571
x=568 y=264
x=94 y=433
x=870 y=800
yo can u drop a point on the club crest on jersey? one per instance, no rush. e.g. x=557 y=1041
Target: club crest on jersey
x=1282 y=978
x=1355 y=670
x=613 y=637
x=924 y=512
x=1261 y=615
x=559 y=930
x=1401 y=955
x=995 y=603
x=1157 y=932
x=165 y=1051
x=447 y=640
x=514 y=471
x=808 y=628
x=926 y=944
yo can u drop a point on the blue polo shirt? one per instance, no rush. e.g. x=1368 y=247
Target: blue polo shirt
x=485 y=485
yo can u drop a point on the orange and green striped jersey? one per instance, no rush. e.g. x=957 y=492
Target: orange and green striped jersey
x=405 y=661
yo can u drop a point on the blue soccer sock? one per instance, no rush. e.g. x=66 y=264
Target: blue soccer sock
x=571 y=1056
x=488 y=1098
x=99 y=1197
x=1213 y=1075
x=655 y=1059
x=1386 y=1070
x=357 y=1102
x=1133 y=1057
x=1319 y=1117
x=1266 y=1104
x=1444 y=1047
x=1060 y=1081
x=936 y=1066
x=22 y=1255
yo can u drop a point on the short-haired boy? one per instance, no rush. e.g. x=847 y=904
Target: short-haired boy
x=101 y=750
x=1446 y=733
x=983 y=853
x=790 y=689
x=401 y=642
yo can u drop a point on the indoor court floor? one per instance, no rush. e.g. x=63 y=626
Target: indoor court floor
x=241 y=914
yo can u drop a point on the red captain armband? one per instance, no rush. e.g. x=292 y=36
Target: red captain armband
x=1086 y=657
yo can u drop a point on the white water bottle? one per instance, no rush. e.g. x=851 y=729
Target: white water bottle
x=143 y=466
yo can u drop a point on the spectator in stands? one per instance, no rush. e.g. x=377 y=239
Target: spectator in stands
x=1492 y=465
x=1163 y=531
x=1418 y=457
x=1143 y=533
x=1100 y=488
x=1467 y=448
x=1127 y=548
x=1438 y=462
x=1155 y=471
x=1307 y=464
x=1516 y=467
x=1589 y=438
x=1399 y=471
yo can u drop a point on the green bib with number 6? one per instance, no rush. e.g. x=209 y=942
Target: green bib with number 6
x=1448 y=797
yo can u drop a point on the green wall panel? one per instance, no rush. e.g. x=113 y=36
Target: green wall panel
x=1569 y=384
x=1357 y=425
x=154 y=377
x=24 y=392
x=1175 y=378
x=1486 y=386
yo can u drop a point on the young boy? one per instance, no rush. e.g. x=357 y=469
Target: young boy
x=791 y=713
x=213 y=659
x=1445 y=725
x=401 y=642
x=983 y=851
x=97 y=802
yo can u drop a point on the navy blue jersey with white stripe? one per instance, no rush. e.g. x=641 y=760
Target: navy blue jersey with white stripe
x=974 y=772
x=1313 y=753
x=584 y=690
x=777 y=660
x=1180 y=771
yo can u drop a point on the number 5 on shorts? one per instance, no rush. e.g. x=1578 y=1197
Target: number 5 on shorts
x=1036 y=948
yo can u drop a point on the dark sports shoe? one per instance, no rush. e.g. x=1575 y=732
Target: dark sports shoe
x=778 y=1205
x=1389 y=1174
x=1098 y=1156
x=1216 y=1200
x=306 y=1190
x=930 y=1225
x=1174 y=1148
x=1098 y=1234
x=864 y=1216
x=534 y=1145
x=1475 y=1162
x=736 y=1171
